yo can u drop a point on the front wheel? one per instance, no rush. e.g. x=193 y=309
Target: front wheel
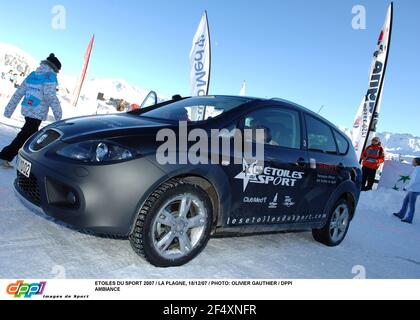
x=173 y=225
x=337 y=226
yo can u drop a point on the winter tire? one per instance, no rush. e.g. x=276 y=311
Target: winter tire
x=335 y=230
x=174 y=224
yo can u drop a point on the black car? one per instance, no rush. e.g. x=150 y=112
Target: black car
x=112 y=175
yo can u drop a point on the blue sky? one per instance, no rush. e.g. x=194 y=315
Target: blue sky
x=302 y=50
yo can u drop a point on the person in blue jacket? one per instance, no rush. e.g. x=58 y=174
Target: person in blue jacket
x=39 y=93
x=413 y=189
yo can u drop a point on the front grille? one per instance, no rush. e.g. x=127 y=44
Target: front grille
x=44 y=139
x=29 y=187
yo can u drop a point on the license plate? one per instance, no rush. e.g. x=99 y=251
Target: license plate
x=23 y=166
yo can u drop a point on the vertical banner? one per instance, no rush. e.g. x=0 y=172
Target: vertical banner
x=200 y=62
x=242 y=93
x=83 y=73
x=364 y=127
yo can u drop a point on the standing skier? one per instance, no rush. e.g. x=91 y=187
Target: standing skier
x=39 y=93
x=372 y=158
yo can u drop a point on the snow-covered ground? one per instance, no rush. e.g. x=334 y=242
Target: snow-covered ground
x=33 y=246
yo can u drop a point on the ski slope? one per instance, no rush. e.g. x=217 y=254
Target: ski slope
x=33 y=246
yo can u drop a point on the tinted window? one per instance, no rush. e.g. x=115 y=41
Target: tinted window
x=343 y=145
x=150 y=100
x=281 y=126
x=320 y=136
x=194 y=109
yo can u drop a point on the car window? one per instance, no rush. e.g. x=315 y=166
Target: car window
x=320 y=136
x=194 y=109
x=281 y=126
x=150 y=100
x=343 y=145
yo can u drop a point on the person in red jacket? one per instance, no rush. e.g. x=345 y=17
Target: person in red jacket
x=372 y=158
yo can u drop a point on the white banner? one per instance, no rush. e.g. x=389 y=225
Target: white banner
x=364 y=126
x=395 y=175
x=200 y=59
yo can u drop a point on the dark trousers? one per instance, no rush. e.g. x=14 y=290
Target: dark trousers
x=368 y=178
x=31 y=126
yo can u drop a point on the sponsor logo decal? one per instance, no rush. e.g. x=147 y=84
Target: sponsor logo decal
x=260 y=200
x=288 y=202
x=273 y=204
x=21 y=289
x=254 y=173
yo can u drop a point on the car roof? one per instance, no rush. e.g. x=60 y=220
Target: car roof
x=256 y=99
x=245 y=98
x=310 y=112
x=288 y=103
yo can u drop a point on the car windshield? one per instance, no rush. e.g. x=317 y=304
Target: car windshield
x=195 y=109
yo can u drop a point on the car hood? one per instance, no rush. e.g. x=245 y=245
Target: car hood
x=104 y=125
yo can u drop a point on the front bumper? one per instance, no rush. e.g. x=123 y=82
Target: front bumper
x=100 y=198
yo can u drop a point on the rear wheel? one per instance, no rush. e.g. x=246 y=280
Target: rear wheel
x=337 y=226
x=173 y=225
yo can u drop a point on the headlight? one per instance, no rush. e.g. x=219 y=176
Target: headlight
x=95 y=151
x=101 y=151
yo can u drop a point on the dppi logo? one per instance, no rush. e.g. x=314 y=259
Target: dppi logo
x=27 y=290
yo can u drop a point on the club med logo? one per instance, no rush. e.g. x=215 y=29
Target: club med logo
x=199 y=66
x=261 y=200
x=21 y=289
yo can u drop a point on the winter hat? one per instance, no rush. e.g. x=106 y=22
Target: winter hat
x=53 y=62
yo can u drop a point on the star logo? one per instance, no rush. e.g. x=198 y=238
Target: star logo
x=404 y=179
x=249 y=172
